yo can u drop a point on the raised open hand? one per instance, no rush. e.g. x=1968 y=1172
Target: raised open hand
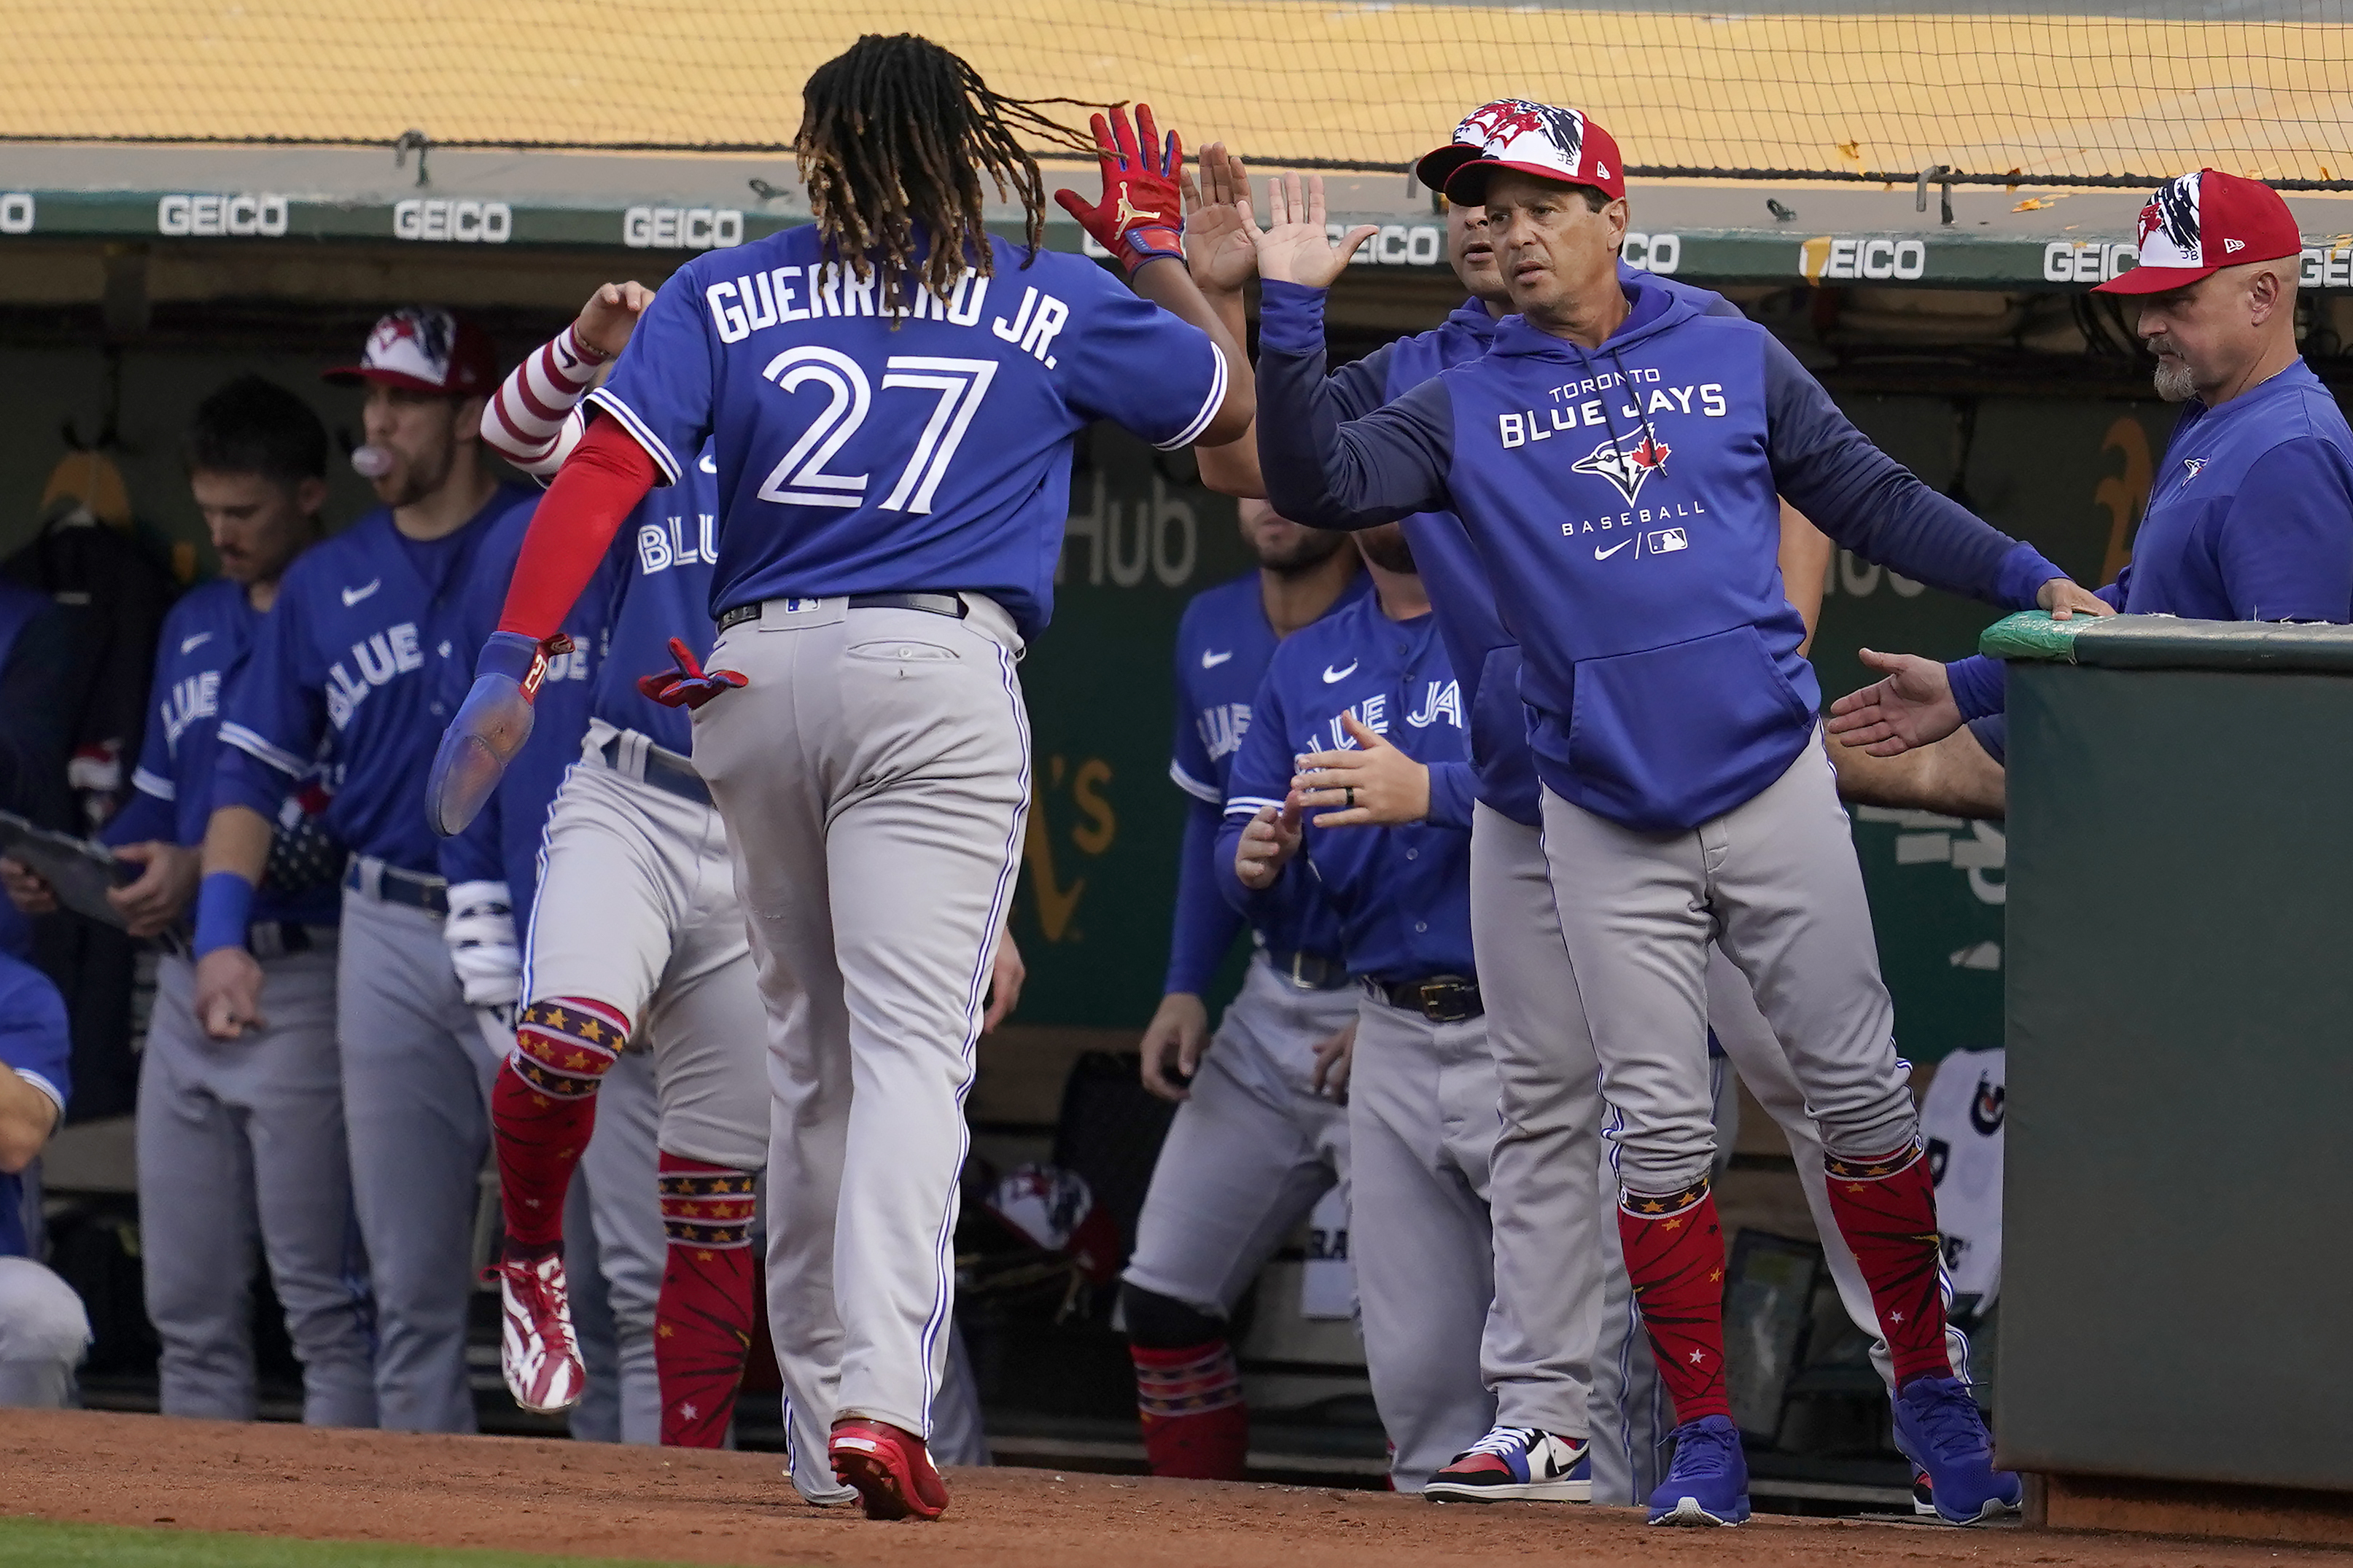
x=1295 y=248
x=1217 y=245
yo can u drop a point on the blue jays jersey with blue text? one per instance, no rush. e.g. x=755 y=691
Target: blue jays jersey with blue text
x=659 y=587
x=1403 y=894
x=859 y=452
x=345 y=668
x=204 y=644
x=1224 y=644
x=503 y=842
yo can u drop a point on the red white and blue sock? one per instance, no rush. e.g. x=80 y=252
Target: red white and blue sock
x=703 y=1323
x=1190 y=1400
x=544 y=1107
x=1886 y=1210
x=1675 y=1259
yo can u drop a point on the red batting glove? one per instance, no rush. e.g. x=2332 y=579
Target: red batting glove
x=690 y=685
x=1141 y=216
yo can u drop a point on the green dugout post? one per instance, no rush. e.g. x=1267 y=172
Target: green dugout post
x=2178 y=1271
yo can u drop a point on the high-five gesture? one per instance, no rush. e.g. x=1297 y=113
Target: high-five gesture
x=1140 y=217
x=1218 y=246
x=1292 y=248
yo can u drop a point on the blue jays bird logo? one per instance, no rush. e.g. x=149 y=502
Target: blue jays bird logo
x=1626 y=467
x=1494 y=126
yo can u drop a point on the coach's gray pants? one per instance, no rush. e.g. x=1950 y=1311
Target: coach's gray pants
x=417 y=1084
x=874 y=776
x=1421 y=1133
x=241 y=1148
x=1774 y=882
x=44 y=1333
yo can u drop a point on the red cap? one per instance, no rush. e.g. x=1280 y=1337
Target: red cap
x=425 y=349
x=1535 y=139
x=2201 y=223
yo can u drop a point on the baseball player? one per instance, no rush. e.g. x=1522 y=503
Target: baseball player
x=2252 y=514
x=1260 y=1134
x=1421 y=1086
x=44 y=1329
x=1551 y=1110
x=341 y=673
x=1636 y=599
x=891 y=393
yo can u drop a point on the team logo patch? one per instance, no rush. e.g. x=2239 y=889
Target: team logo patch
x=1987 y=1111
x=2193 y=465
x=1667 y=541
x=1628 y=462
x=1494 y=126
x=2168 y=226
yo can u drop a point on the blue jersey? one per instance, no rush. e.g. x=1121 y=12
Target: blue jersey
x=860 y=452
x=503 y=842
x=2249 y=518
x=1403 y=894
x=656 y=587
x=35 y=1043
x=1660 y=650
x=1224 y=645
x=203 y=645
x=345 y=670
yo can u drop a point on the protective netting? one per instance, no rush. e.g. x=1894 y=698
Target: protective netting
x=2260 y=87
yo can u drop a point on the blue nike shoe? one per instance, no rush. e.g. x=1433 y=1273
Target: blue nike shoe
x=1940 y=1429
x=1708 y=1482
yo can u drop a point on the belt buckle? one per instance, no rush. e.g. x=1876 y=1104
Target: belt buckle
x=1447 y=1001
x=1299 y=980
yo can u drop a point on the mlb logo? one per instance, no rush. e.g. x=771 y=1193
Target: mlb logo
x=1667 y=541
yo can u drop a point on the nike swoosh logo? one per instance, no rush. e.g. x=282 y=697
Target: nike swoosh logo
x=1211 y=661
x=1601 y=555
x=709 y=463
x=190 y=645
x=354 y=595
x=1331 y=675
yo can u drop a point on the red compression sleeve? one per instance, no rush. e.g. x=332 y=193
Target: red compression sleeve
x=606 y=477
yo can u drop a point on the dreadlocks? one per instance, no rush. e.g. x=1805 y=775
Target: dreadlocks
x=896 y=132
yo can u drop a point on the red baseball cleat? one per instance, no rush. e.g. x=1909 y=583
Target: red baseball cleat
x=889 y=1466
x=536 y=1351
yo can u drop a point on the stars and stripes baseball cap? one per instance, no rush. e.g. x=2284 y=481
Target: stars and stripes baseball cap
x=1539 y=139
x=2200 y=222
x=425 y=349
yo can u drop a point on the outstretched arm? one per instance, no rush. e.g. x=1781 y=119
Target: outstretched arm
x=528 y=419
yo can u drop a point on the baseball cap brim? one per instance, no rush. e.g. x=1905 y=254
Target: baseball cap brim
x=1437 y=166
x=2158 y=279
x=1468 y=184
x=356 y=374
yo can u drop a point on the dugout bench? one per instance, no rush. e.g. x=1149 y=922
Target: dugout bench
x=2178 y=1224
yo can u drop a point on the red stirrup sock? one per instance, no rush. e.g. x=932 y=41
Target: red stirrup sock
x=702 y=1324
x=544 y=1107
x=1886 y=1209
x=1195 y=1423
x=1675 y=1259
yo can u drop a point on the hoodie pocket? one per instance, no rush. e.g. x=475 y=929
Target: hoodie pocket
x=1670 y=730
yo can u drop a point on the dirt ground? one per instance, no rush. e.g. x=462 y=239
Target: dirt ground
x=595 y=1501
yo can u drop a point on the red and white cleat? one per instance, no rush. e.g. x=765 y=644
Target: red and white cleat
x=536 y=1350
x=890 y=1468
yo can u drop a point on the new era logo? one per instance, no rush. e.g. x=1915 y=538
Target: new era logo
x=2230 y=245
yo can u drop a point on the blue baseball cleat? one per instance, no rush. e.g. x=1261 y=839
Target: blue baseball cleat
x=1708 y=1483
x=1940 y=1429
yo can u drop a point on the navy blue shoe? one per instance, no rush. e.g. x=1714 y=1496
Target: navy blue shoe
x=1708 y=1483
x=1938 y=1428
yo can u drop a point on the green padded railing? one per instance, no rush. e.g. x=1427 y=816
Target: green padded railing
x=2162 y=642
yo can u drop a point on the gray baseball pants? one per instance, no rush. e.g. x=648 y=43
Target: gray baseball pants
x=874 y=778
x=1250 y=1151
x=1775 y=883
x=1421 y=1133
x=241 y=1149
x=417 y=1086
x=44 y=1333
x=616 y=1184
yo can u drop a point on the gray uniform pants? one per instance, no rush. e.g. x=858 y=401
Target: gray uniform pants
x=43 y=1334
x=618 y=1178
x=1250 y=1151
x=1775 y=883
x=241 y=1148
x=417 y=1084
x=874 y=777
x=1421 y=1131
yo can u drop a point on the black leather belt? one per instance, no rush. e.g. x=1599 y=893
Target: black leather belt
x=948 y=605
x=394 y=886
x=664 y=770
x=1309 y=971
x=284 y=938
x=1441 y=999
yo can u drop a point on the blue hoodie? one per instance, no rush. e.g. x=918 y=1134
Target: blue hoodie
x=1625 y=503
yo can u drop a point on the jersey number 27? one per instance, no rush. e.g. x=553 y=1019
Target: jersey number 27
x=802 y=480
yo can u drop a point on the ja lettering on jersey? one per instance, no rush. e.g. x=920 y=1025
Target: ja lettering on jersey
x=1224 y=646
x=348 y=660
x=660 y=589
x=859 y=453
x=1403 y=894
x=204 y=643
